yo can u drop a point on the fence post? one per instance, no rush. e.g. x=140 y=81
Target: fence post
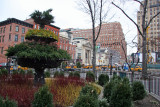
x=149 y=85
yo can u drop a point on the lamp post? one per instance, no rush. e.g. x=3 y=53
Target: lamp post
x=111 y=63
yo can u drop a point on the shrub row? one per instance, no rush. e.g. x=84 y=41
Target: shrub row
x=120 y=93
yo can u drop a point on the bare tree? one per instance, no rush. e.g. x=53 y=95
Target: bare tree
x=96 y=10
x=142 y=32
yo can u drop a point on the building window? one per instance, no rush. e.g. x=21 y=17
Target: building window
x=4 y=29
x=23 y=30
x=17 y=28
x=22 y=38
x=79 y=56
x=10 y=27
x=9 y=37
x=16 y=38
x=2 y=50
x=1 y=30
x=2 y=38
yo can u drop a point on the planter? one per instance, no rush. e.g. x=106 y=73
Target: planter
x=32 y=63
x=41 y=39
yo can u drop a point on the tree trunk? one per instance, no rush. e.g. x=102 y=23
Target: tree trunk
x=144 y=59
x=39 y=76
x=94 y=49
x=94 y=60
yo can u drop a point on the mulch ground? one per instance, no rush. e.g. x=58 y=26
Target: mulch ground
x=148 y=101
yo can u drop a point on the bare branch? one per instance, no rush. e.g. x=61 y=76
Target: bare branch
x=152 y=19
x=139 y=3
x=100 y=21
x=129 y=18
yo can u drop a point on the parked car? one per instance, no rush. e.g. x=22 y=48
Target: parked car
x=137 y=68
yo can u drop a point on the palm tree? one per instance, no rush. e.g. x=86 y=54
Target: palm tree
x=42 y=18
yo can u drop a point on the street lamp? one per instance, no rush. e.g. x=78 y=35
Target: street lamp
x=111 y=63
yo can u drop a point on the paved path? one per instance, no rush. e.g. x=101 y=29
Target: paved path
x=101 y=94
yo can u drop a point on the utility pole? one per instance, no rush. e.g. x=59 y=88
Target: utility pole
x=111 y=64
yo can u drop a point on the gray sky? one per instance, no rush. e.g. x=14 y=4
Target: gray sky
x=68 y=15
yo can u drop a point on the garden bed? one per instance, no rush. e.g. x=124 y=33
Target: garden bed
x=21 y=89
x=148 y=101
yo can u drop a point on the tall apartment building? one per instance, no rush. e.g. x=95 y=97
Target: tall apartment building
x=153 y=34
x=12 y=32
x=111 y=37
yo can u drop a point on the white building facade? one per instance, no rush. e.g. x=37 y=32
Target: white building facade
x=83 y=50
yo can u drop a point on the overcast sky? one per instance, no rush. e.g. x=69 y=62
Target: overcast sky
x=67 y=14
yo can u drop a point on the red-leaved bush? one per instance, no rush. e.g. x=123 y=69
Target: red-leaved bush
x=20 y=88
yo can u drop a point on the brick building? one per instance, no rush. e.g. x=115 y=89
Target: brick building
x=12 y=32
x=111 y=36
x=65 y=44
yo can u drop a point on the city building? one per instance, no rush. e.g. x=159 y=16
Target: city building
x=111 y=37
x=65 y=44
x=83 y=50
x=106 y=56
x=153 y=32
x=12 y=32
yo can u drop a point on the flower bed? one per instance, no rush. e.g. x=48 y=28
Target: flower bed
x=20 y=88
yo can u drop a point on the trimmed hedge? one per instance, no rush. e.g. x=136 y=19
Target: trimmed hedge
x=103 y=79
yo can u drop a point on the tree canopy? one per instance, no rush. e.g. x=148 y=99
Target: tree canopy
x=37 y=52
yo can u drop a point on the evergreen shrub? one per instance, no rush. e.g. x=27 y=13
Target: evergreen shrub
x=4 y=71
x=90 y=76
x=121 y=95
x=88 y=89
x=43 y=98
x=138 y=91
x=125 y=80
x=76 y=74
x=7 y=103
x=58 y=74
x=47 y=74
x=103 y=103
x=0 y=72
x=108 y=87
x=22 y=72
x=86 y=101
x=108 y=90
x=30 y=72
x=71 y=74
x=78 y=65
x=103 y=79
x=15 y=72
